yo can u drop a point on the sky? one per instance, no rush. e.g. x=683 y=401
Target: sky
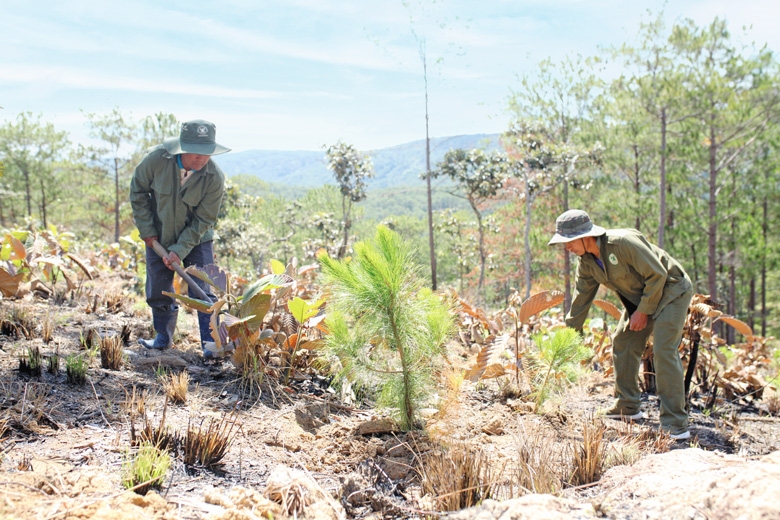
x=301 y=74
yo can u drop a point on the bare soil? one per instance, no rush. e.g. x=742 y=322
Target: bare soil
x=64 y=444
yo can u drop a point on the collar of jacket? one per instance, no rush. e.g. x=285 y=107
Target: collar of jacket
x=209 y=168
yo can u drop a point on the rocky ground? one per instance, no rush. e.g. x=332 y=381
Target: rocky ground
x=300 y=450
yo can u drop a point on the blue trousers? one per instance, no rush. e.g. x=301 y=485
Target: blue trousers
x=159 y=278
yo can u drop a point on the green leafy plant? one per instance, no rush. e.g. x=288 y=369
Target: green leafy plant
x=556 y=362
x=385 y=328
x=146 y=469
x=32 y=363
x=76 y=369
x=53 y=363
x=302 y=311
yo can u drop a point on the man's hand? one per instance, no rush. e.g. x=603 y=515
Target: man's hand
x=149 y=241
x=638 y=321
x=170 y=260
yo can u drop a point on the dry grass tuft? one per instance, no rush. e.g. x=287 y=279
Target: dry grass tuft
x=112 y=355
x=135 y=403
x=47 y=329
x=125 y=334
x=457 y=476
x=115 y=302
x=18 y=323
x=647 y=440
x=453 y=380
x=176 y=386
x=161 y=436
x=24 y=405
x=589 y=456
x=208 y=448
x=252 y=371
x=538 y=458
x=291 y=493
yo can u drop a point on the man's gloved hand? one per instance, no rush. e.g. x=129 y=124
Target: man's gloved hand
x=171 y=259
x=149 y=241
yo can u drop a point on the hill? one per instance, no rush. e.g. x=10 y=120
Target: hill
x=399 y=165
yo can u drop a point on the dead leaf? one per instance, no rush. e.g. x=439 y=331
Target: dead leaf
x=538 y=303
x=9 y=284
x=609 y=308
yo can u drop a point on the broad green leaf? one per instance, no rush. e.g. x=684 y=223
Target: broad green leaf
x=277 y=267
x=303 y=310
x=255 y=309
x=266 y=283
x=192 y=303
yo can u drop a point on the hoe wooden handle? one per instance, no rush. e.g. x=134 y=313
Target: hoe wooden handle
x=160 y=250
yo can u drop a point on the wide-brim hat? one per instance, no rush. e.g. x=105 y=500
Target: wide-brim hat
x=574 y=224
x=197 y=137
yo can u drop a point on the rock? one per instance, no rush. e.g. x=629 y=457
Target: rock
x=494 y=427
x=522 y=407
x=241 y=503
x=312 y=416
x=374 y=426
x=693 y=483
x=396 y=468
x=356 y=490
x=300 y=496
x=528 y=507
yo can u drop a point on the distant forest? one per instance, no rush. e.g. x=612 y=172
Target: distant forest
x=683 y=145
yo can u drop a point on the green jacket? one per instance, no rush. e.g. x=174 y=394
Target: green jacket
x=180 y=216
x=639 y=272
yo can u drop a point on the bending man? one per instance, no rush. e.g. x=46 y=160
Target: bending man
x=656 y=293
x=176 y=192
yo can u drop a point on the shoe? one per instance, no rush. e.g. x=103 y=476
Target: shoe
x=681 y=436
x=614 y=413
x=158 y=343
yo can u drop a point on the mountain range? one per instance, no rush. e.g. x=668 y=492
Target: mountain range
x=399 y=165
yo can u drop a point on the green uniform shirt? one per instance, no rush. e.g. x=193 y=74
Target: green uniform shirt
x=638 y=271
x=181 y=217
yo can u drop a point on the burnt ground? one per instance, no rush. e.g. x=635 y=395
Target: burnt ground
x=64 y=444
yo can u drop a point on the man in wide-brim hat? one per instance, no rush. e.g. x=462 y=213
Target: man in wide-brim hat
x=176 y=192
x=656 y=293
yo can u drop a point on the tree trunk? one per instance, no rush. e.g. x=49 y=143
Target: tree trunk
x=527 y=240
x=712 y=230
x=751 y=319
x=43 y=205
x=764 y=230
x=566 y=257
x=637 y=190
x=662 y=184
x=482 y=255
x=116 y=199
x=26 y=174
x=431 y=248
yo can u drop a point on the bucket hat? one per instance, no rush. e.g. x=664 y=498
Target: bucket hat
x=574 y=224
x=197 y=136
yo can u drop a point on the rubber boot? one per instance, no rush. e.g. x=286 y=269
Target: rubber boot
x=164 y=325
